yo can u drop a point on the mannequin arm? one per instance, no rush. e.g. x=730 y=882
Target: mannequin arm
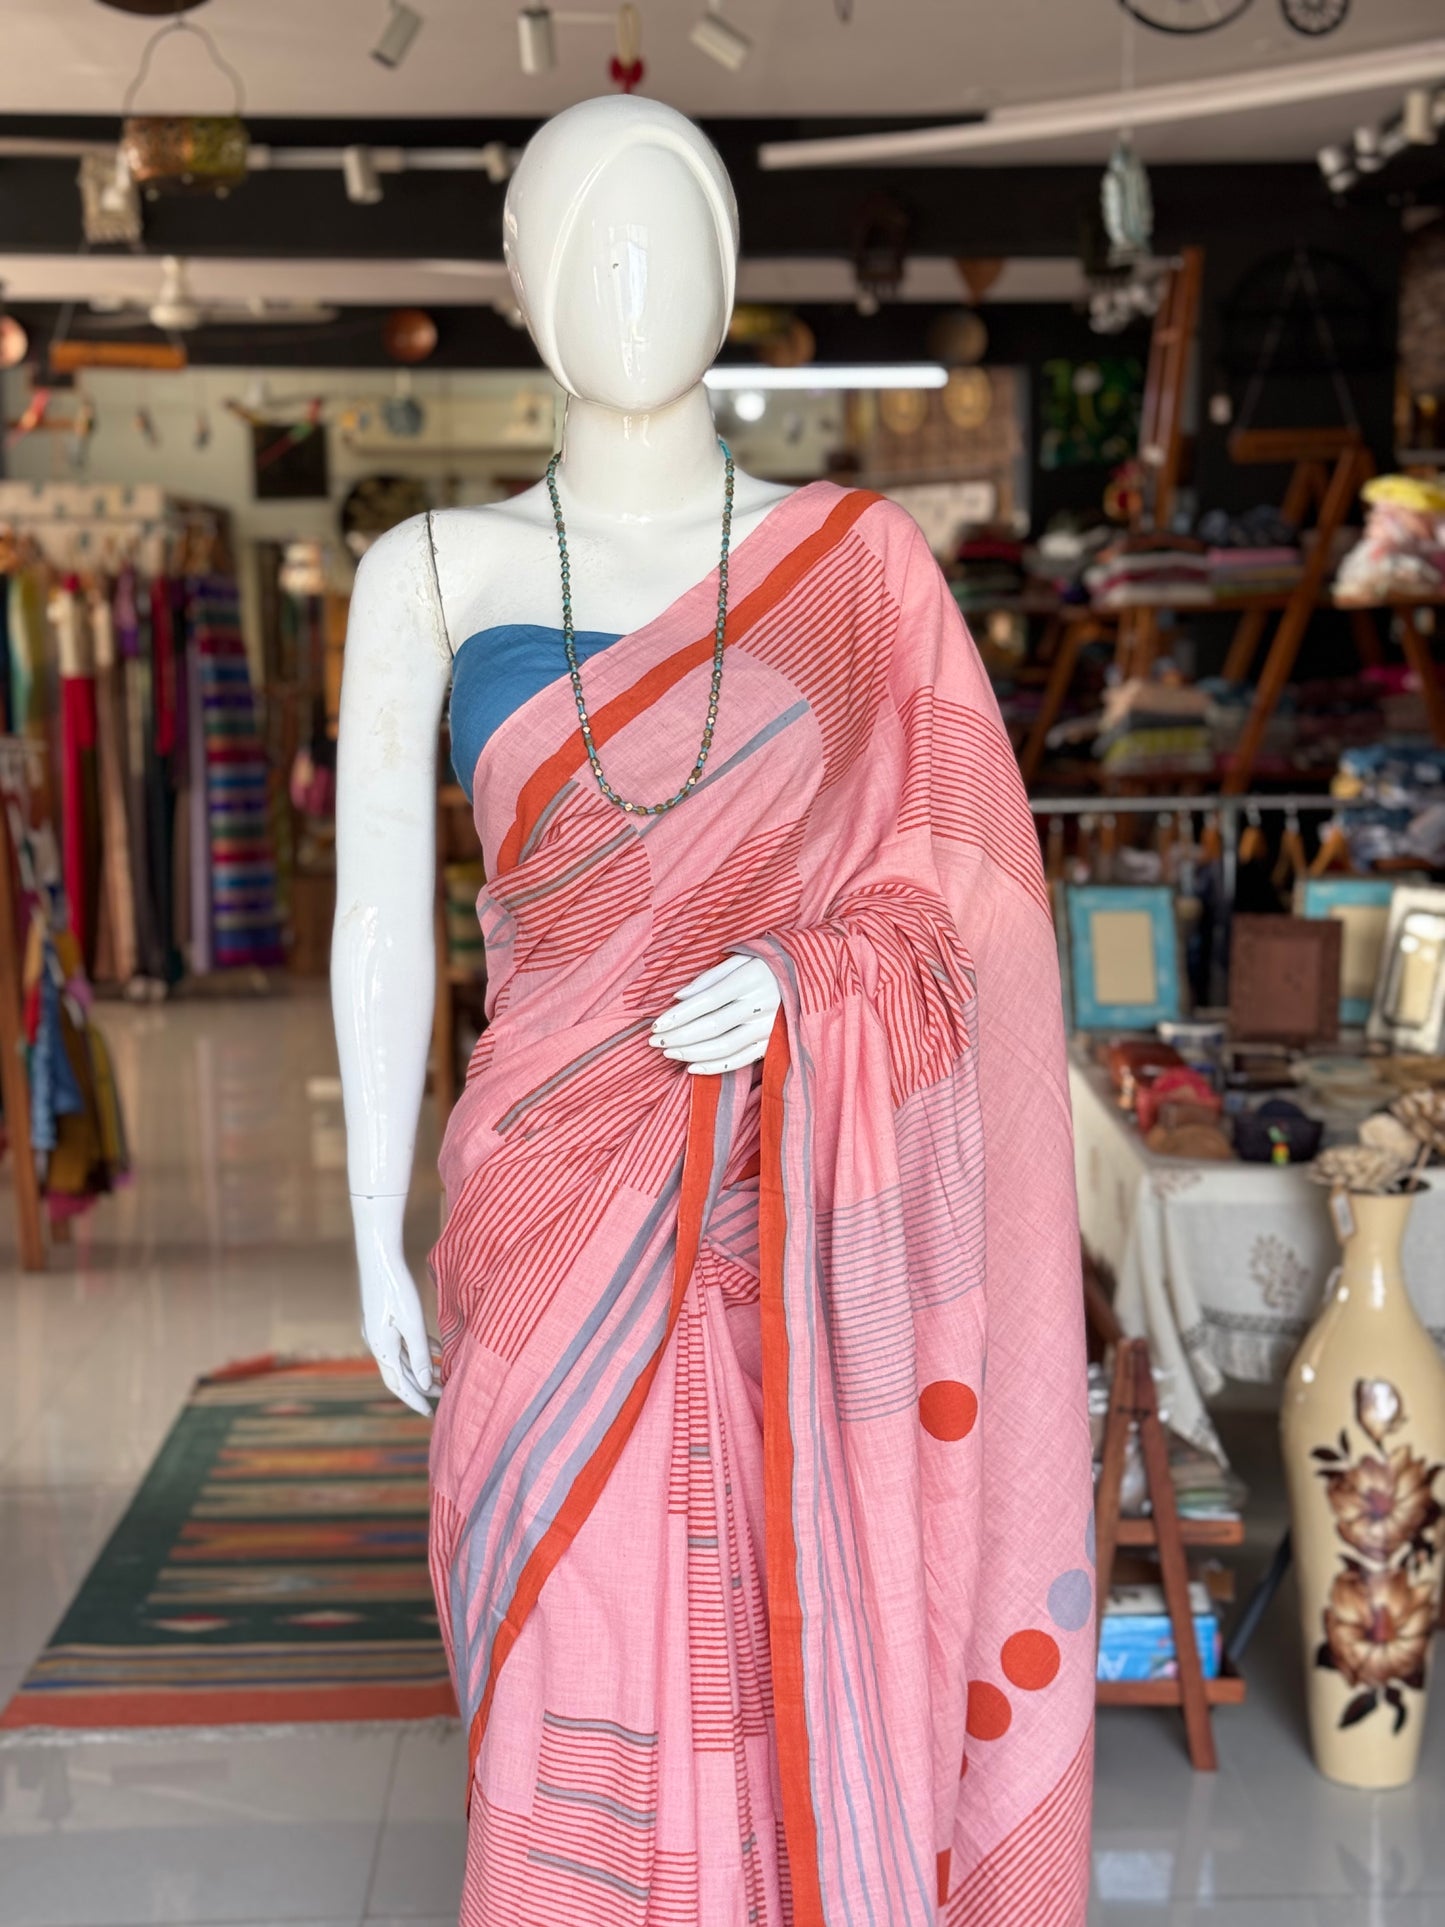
x=397 y=668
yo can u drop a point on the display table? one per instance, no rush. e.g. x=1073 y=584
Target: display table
x=1222 y=1267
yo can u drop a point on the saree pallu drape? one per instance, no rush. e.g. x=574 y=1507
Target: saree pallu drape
x=762 y=1496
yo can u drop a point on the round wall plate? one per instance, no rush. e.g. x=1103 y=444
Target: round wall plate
x=154 y=9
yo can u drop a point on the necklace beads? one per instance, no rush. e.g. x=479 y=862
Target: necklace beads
x=574 y=670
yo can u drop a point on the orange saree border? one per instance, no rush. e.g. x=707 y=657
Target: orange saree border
x=545 y=781
x=697 y=1164
x=785 y=1612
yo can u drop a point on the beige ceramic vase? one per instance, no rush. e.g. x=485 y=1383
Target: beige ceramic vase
x=1364 y=1446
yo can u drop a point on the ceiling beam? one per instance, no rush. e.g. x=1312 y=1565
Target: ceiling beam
x=306 y=215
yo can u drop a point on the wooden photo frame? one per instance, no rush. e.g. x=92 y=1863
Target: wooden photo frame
x=1120 y=945
x=1284 y=980
x=1408 y=1010
x=1362 y=906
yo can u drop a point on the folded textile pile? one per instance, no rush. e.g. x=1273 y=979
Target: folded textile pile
x=1262 y=527
x=1251 y=572
x=1064 y=551
x=1229 y=710
x=1140 y=570
x=1392 y=797
x=987 y=568
x=1402 y=551
x=1155 y=727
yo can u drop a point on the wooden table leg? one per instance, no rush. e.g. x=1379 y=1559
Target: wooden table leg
x=1416 y=645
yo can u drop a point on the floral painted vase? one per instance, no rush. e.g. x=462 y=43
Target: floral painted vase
x=1364 y=1450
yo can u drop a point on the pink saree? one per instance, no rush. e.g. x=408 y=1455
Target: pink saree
x=762 y=1500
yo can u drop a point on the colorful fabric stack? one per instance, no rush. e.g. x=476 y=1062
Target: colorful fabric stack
x=1256 y=553
x=1236 y=574
x=1140 y=570
x=1064 y=551
x=988 y=568
x=1402 y=552
x=1153 y=728
x=244 y=917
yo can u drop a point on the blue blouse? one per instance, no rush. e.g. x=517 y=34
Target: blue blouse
x=497 y=670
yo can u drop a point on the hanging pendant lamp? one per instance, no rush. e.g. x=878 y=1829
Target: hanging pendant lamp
x=184 y=153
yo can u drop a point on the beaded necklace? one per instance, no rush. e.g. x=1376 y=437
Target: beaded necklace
x=575 y=672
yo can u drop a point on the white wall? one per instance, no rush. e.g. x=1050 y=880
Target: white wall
x=481 y=429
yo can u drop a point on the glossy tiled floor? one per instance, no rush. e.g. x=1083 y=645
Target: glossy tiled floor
x=233 y=1241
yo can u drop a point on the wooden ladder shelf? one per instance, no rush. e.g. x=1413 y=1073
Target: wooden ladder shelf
x=1133 y=1405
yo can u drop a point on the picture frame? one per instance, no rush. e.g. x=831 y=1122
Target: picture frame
x=1284 y=979
x=1408 y=1008
x=1120 y=950
x=1362 y=906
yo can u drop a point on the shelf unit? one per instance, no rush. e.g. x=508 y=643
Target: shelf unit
x=1133 y=1406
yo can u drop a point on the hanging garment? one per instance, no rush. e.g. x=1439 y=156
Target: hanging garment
x=79 y=769
x=198 y=828
x=26 y=626
x=762 y=1494
x=245 y=921
x=117 y=956
x=7 y=720
x=132 y=636
x=159 y=776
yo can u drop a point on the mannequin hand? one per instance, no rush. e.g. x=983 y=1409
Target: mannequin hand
x=392 y=1320
x=722 y=1019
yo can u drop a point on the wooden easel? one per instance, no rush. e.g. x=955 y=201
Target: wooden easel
x=14 y=1081
x=1135 y=632
x=1331 y=465
x=1161 y=440
x=1133 y=1404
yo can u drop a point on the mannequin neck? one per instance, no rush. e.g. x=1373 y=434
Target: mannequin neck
x=665 y=462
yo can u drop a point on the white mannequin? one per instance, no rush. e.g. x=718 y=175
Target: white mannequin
x=621 y=242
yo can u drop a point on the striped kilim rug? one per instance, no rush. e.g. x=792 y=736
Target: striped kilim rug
x=271 y=1569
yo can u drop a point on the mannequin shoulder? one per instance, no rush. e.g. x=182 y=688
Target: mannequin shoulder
x=394 y=602
x=894 y=536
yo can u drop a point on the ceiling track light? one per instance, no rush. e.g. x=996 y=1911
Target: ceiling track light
x=1369 y=150
x=402 y=27
x=719 y=40
x=1421 y=127
x=358 y=171
x=537 y=40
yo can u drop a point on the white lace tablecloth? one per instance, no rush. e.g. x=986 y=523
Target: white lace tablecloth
x=1222 y=1267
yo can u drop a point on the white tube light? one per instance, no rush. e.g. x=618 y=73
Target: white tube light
x=820 y=377
x=397 y=35
x=720 y=41
x=536 y=40
x=1175 y=101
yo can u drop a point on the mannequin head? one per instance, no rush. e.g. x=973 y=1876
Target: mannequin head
x=621 y=237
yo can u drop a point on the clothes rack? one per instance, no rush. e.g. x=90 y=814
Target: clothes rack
x=14 y=1081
